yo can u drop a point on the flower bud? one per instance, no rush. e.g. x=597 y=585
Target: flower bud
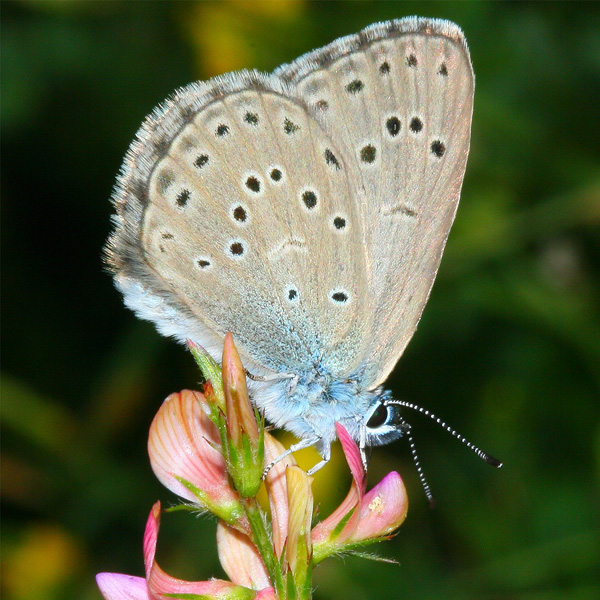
x=245 y=444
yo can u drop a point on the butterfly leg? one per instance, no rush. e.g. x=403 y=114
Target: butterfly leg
x=304 y=443
x=326 y=453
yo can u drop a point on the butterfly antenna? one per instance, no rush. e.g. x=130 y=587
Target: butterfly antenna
x=483 y=455
x=406 y=427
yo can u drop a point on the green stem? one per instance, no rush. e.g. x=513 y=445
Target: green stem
x=306 y=590
x=262 y=541
x=303 y=579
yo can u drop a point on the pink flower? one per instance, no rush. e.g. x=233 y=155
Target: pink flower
x=115 y=586
x=241 y=420
x=361 y=518
x=240 y=558
x=157 y=585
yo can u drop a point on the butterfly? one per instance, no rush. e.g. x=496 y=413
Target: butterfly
x=306 y=211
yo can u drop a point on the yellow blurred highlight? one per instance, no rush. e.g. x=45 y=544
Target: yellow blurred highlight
x=280 y=9
x=42 y=563
x=224 y=34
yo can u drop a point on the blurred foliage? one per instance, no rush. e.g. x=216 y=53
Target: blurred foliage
x=508 y=350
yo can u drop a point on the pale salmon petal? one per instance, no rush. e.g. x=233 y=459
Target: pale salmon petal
x=180 y=445
x=323 y=530
x=162 y=586
x=240 y=558
x=277 y=490
x=266 y=594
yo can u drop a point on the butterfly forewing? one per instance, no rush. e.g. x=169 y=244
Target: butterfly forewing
x=243 y=222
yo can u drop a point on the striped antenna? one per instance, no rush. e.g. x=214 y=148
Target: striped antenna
x=413 y=451
x=483 y=455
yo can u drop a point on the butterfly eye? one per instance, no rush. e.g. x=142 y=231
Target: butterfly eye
x=385 y=423
x=379 y=417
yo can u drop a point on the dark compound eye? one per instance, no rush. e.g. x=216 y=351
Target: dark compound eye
x=379 y=417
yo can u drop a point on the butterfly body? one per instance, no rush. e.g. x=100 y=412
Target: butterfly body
x=310 y=404
x=305 y=211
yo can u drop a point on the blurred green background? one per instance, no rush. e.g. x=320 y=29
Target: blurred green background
x=508 y=350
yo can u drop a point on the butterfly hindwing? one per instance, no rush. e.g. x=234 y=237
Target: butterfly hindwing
x=398 y=99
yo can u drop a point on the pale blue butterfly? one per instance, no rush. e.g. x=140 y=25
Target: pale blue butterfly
x=305 y=211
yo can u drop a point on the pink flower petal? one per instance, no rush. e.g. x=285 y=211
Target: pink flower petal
x=383 y=509
x=277 y=490
x=151 y=537
x=179 y=445
x=165 y=587
x=162 y=586
x=377 y=513
x=325 y=528
x=115 y=586
x=352 y=454
x=240 y=558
